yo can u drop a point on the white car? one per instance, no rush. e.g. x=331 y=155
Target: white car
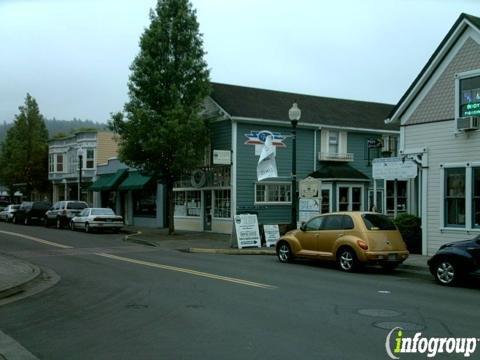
x=7 y=213
x=96 y=219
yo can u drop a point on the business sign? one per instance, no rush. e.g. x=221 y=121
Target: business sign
x=272 y=234
x=394 y=169
x=309 y=208
x=246 y=231
x=222 y=157
x=374 y=143
x=309 y=188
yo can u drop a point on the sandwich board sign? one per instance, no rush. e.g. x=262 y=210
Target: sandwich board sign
x=272 y=234
x=246 y=231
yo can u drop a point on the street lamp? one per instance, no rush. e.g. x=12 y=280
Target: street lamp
x=80 y=166
x=294 y=115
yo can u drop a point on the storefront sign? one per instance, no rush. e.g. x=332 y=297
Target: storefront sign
x=259 y=138
x=374 y=143
x=394 y=169
x=309 y=188
x=222 y=157
x=309 y=208
x=272 y=234
x=246 y=231
x=267 y=166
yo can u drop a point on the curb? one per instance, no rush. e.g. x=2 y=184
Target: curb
x=10 y=290
x=232 y=251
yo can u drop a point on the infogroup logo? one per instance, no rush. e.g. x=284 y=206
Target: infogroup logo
x=430 y=346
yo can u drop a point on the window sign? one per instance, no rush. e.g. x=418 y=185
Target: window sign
x=470 y=96
x=246 y=231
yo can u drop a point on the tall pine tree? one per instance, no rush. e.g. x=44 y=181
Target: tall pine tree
x=160 y=130
x=24 y=153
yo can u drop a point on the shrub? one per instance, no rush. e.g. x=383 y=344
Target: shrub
x=411 y=230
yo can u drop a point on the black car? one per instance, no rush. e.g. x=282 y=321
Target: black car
x=30 y=212
x=455 y=261
x=62 y=212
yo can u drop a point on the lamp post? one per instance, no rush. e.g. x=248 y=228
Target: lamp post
x=80 y=166
x=294 y=115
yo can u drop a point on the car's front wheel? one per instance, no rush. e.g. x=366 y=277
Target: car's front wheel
x=284 y=253
x=446 y=273
x=347 y=259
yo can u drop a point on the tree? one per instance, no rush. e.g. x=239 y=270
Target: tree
x=24 y=153
x=161 y=132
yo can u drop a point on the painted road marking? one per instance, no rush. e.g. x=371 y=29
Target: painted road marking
x=46 y=242
x=188 y=271
x=151 y=264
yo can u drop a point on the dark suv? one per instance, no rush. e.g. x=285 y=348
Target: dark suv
x=30 y=211
x=62 y=212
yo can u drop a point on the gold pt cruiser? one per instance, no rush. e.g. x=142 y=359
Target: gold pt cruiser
x=349 y=238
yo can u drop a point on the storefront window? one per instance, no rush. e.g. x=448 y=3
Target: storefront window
x=455 y=197
x=343 y=199
x=180 y=203
x=396 y=204
x=145 y=202
x=273 y=193
x=222 y=204
x=349 y=198
x=476 y=197
x=194 y=203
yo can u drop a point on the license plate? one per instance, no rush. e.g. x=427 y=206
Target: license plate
x=392 y=257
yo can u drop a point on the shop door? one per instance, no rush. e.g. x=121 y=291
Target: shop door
x=207 y=210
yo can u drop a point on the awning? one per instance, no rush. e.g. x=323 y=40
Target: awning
x=109 y=181
x=337 y=171
x=134 y=181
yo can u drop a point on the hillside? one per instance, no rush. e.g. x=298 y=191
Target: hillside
x=55 y=126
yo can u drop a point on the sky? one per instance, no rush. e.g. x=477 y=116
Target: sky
x=73 y=56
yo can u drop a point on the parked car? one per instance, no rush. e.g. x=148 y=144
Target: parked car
x=96 y=219
x=30 y=211
x=349 y=238
x=7 y=213
x=3 y=204
x=62 y=212
x=456 y=261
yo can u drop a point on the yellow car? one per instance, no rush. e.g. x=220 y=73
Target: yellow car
x=349 y=238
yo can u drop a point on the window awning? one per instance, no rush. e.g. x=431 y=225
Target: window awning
x=109 y=181
x=335 y=171
x=134 y=181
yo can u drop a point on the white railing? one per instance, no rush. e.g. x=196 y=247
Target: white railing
x=335 y=156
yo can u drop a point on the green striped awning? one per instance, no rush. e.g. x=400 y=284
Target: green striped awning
x=134 y=181
x=109 y=181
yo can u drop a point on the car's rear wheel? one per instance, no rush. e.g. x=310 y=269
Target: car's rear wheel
x=284 y=253
x=446 y=273
x=347 y=260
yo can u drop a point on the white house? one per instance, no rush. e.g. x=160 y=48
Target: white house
x=440 y=117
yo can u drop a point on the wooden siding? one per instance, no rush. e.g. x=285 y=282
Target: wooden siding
x=443 y=147
x=222 y=135
x=107 y=147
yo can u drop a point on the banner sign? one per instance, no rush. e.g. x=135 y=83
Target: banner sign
x=246 y=231
x=394 y=169
x=309 y=208
x=267 y=166
x=272 y=234
x=259 y=138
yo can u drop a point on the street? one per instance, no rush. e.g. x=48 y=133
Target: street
x=120 y=300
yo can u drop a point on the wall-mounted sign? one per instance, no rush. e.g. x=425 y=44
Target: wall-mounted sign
x=394 y=169
x=246 y=231
x=309 y=208
x=259 y=138
x=374 y=143
x=222 y=157
x=272 y=234
x=309 y=188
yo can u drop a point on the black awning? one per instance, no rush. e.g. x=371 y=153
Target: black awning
x=338 y=171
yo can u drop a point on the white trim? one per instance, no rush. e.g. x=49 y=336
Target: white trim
x=233 y=172
x=458 y=77
x=255 y=202
x=305 y=124
x=468 y=197
x=315 y=149
x=424 y=211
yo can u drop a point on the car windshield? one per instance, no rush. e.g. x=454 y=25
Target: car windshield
x=76 y=205
x=14 y=207
x=102 y=212
x=378 y=222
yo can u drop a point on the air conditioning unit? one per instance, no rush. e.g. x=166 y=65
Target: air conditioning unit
x=468 y=123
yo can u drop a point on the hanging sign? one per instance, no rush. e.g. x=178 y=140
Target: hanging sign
x=246 y=231
x=272 y=234
x=309 y=188
x=267 y=166
x=394 y=169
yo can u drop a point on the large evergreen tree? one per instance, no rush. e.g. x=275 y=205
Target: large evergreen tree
x=24 y=153
x=160 y=130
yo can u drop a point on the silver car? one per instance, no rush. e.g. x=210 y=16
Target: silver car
x=96 y=219
x=7 y=213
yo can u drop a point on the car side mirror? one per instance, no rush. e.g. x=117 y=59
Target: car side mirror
x=303 y=226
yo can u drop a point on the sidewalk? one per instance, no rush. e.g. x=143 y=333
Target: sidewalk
x=15 y=274
x=213 y=243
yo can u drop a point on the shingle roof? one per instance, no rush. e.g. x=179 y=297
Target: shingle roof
x=250 y=102
x=475 y=21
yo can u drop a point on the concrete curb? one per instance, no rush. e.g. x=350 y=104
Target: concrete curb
x=19 y=286
x=232 y=251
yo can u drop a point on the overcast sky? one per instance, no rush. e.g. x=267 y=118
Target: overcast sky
x=73 y=56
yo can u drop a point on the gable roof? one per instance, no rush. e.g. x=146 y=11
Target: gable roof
x=463 y=20
x=247 y=102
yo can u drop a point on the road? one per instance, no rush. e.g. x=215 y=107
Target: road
x=119 y=300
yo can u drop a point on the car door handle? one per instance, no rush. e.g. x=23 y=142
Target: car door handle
x=340 y=234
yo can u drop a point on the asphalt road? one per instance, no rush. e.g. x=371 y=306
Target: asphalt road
x=119 y=300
